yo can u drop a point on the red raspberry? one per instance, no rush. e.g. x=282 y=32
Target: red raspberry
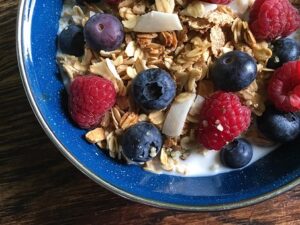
x=223 y=2
x=270 y=19
x=284 y=87
x=222 y=118
x=89 y=98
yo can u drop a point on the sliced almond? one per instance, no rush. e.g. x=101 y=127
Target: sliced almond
x=95 y=135
x=112 y=69
x=131 y=72
x=140 y=65
x=130 y=49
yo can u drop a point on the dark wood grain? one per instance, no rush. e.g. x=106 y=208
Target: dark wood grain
x=39 y=186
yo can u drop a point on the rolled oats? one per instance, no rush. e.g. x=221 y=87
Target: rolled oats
x=220 y=18
x=128 y=119
x=157 y=117
x=72 y=65
x=217 y=38
x=262 y=52
x=113 y=146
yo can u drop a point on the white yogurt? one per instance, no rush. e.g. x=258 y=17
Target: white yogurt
x=209 y=164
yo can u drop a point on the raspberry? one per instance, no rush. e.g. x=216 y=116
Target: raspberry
x=223 y=2
x=284 y=87
x=89 y=98
x=270 y=19
x=222 y=118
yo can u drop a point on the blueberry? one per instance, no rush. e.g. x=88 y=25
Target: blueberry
x=279 y=126
x=104 y=32
x=284 y=50
x=141 y=142
x=71 y=40
x=153 y=89
x=237 y=154
x=233 y=71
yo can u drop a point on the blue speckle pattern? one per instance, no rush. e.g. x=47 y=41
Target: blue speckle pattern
x=268 y=174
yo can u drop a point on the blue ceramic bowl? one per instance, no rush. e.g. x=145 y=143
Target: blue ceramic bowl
x=268 y=177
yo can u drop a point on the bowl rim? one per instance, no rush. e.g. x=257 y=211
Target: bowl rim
x=21 y=63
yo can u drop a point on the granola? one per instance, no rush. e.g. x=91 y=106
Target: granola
x=186 y=53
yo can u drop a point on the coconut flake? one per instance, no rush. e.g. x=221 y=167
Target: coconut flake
x=198 y=103
x=176 y=117
x=157 y=22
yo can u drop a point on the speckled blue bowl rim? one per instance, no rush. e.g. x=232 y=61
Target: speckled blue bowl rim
x=97 y=179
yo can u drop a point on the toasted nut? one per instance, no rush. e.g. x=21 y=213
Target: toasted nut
x=95 y=135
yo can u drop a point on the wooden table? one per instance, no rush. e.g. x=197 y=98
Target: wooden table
x=39 y=186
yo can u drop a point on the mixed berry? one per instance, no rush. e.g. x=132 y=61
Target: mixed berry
x=141 y=142
x=271 y=19
x=233 y=71
x=279 y=126
x=103 y=32
x=153 y=89
x=223 y=118
x=284 y=87
x=284 y=50
x=71 y=40
x=90 y=97
x=237 y=154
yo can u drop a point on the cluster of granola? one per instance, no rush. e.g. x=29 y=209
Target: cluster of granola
x=186 y=55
